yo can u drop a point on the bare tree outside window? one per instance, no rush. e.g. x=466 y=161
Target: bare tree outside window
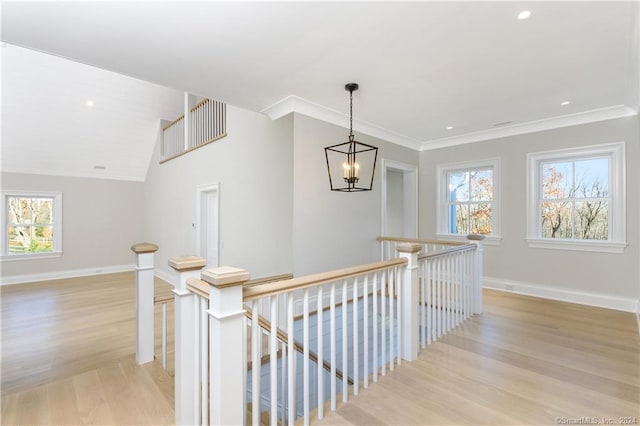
x=470 y=201
x=575 y=199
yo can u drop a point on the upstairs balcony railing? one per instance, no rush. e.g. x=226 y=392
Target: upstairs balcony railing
x=204 y=123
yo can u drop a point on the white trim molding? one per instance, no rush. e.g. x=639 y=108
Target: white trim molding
x=58 y=275
x=601 y=300
x=607 y=113
x=302 y=106
x=617 y=189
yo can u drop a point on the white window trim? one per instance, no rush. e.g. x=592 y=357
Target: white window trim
x=57 y=225
x=617 y=188
x=441 y=216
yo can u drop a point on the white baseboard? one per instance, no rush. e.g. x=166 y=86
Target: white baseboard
x=601 y=300
x=47 y=276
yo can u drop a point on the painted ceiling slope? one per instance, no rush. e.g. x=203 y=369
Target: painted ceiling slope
x=422 y=66
x=48 y=128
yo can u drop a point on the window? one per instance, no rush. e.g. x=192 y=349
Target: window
x=468 y=199
x=576 y=198
x=32 y=224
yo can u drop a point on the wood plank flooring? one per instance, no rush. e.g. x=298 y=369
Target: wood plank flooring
x=68 y=354
x=68 y=358
x=523 y=361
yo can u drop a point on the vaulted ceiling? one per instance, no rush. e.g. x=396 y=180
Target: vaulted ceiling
x=431 y=73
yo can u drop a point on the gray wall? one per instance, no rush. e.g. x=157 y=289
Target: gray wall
x=612 y=274
x=253 y=166
x=101 y=219
x=334 y=229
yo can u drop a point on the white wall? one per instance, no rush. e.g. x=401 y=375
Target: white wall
x=334 y=229
x=395 y=204
x=611 y=276
x=253 y=166
x=100 y=221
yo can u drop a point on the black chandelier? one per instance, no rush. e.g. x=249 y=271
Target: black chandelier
x=351 y=165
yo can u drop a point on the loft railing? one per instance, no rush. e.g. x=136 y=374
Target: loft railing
x=204 y=123
x=363 y=321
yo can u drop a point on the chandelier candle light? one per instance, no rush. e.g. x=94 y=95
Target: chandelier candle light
x=354 y=161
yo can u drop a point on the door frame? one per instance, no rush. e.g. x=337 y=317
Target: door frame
x=410 y=185
x=203 y=191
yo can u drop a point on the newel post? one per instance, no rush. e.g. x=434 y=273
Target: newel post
x=410 y=286
x=226 y=344
x=477 y=271
x=185 y=370
x=144 y=301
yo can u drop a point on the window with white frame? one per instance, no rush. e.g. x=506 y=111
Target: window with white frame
x=469 y=199
x=32 y=224
x=576 y=198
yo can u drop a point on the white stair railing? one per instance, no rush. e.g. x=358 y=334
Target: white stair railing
x=361 y=321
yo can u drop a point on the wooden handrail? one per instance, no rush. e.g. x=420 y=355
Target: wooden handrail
x=160 y=300
x=199 y=104
x=271 y=289
x=446 y=251
x=418 y=241
x=265 y=280
x=173 y=122
x=282 y=335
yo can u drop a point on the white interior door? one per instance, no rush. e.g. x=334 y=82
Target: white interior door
x=208 y=224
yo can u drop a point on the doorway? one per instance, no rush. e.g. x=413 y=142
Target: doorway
x=208 y=218
x=399 y=199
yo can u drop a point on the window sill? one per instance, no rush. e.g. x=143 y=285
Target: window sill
x=490 y=240
x=594 y=246
x=35 y=256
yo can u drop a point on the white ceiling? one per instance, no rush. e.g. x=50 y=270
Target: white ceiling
x=421 y=66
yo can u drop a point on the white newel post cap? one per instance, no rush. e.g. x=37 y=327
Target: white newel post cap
x=475 y=237
x=187 y=263
x=144 y=248
x=408 y=247
x=225 y=276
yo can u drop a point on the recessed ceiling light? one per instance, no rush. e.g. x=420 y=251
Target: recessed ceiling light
x=89 y=103
x=524 y=14
x=449 y=127
x=565 y=103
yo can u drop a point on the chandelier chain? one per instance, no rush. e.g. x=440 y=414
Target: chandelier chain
x=350 y=115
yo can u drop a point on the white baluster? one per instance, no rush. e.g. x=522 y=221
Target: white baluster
x=320 y=369
x=256 y=346
x=291 y=370
x=354 y=311
x=391 y=287
x=375 y=326
x=332 y=331
x=365 y=318
x=305 y=355
x=273 y=358
x=383 y=323
x=164 y=335
x=345 y=343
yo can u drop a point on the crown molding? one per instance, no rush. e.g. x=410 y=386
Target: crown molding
x=302 y=106
x=71 y=173
x=607 y=113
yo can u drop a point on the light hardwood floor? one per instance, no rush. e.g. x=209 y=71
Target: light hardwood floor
x=68 y=354
x=523 y=361
x=67 y=358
